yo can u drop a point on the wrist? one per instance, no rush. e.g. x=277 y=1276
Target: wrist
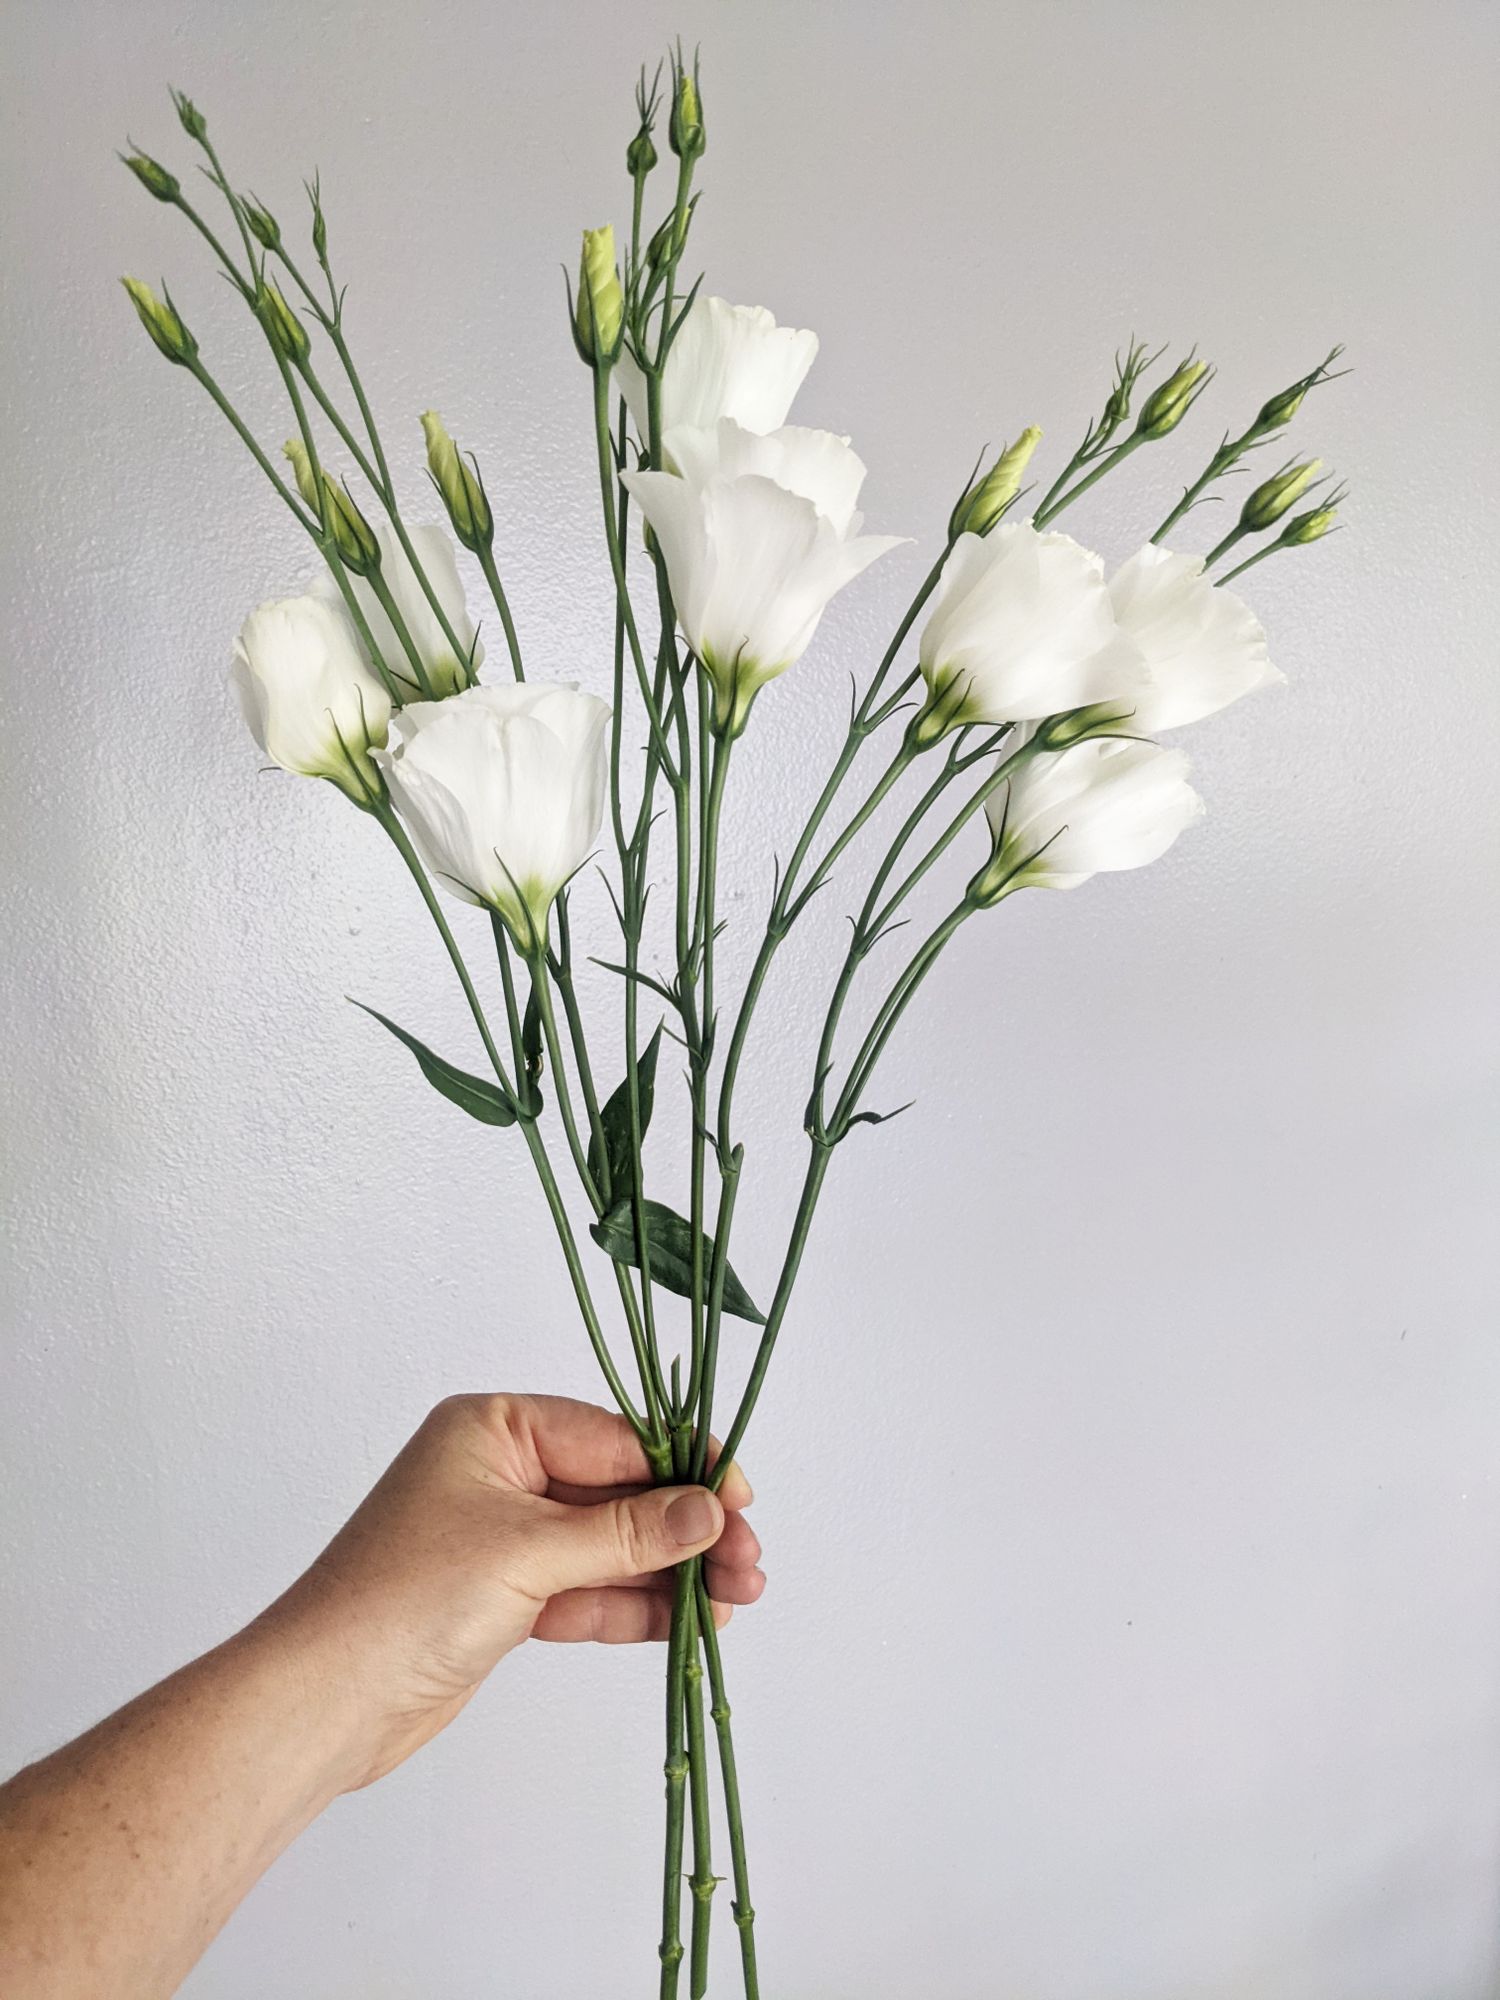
x=307 y=1673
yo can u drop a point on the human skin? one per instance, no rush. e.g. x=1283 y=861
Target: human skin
x=505 y=1518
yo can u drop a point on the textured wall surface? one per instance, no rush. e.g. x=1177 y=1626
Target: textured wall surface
x=1128 y=1472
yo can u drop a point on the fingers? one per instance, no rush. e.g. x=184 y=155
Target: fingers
x=735 y=1493
x=612 y=1617
x=586 y=1453
x=577 y=1442
x=570 y=1548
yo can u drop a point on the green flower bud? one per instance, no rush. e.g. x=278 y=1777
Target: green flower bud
x=192 y=119
x=1275 y=496
x=640 y=155
x=669 y=239
x=159 y=318
x=600 y=312
x=460 y=485
x=262 y=225
x=283 y=325
x=152 y=176
x=296 y=452
x=352 y=534
x=1310 y=527
x=685 y=131
x=319 y=223
x=1281 y=409
x=1166 y=407
x=984 y=503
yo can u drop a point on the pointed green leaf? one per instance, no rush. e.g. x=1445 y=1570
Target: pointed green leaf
x=615 y=1118
x=482 y=1100
x=671 y=1244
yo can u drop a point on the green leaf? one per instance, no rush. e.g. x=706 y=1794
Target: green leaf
x=671 y=1244
x=615 y=1118
x=482 y=1100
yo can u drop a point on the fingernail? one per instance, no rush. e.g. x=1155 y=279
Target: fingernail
x=692 y=1517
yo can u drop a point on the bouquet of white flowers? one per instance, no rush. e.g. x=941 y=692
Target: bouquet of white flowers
x=1021 y=744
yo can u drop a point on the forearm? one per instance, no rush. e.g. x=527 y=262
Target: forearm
x=122 y=1854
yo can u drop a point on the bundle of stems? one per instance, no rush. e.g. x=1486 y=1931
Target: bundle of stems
x=536 y=1040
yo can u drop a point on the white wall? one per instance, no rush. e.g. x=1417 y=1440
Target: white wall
x=1128 y=1469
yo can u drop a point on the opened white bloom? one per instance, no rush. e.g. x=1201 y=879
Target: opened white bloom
x=312 y=702
x=758 y=533
x=1022 y=627
x=445 y=673
x=503 y=790
x=1204 y=647
x=726 y=361
x=1068 y=814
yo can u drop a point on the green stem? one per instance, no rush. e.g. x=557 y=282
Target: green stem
x=617 y=566
x=1110 y=460
x=1236 y=534
x=817 y=1168
x=891 y=1010
x=703 y=1881
x=1249 y=562
x=502 y=605
x=742 y=1907
x=534 y=1142
x=675 y=1770
x=381 y=591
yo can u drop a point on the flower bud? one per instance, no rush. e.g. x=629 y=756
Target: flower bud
x=460 y=485
x=984 y=503
x=669 y=239
x=1280 y=410
x=283 y=325
x=685 y=131
x=1166 y=407
x=319 y=223
x=1275 y=496
x=159 y=317
x=262 y=225
x=640 y=155
x=152 y=176
x=192 y=119
x=600 y=312
x=1310 y=527
x=352 y=534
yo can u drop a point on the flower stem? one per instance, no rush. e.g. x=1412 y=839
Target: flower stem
x=675 y=1770
x=743 y=1908
x=502 y=605
x=703 y=1881
x=817 y=1168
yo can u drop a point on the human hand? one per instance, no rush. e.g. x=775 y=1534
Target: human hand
x=504 y=1518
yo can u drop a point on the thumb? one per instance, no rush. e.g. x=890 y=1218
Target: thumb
x=573 y=1547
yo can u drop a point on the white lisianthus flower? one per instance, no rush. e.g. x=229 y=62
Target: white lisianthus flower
x=1204 y=646
x=503 y=789
x=1065 y=815
x=435 y=553
x=1021 y=627
x=311 y=700
x=726 y=361
x=758 y=533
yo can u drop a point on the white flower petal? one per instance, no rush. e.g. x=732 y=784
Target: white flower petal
x=1024 y=623
x=503 y=789
x=309 y=698
x=1098 y=807
x=1203 y=646
x=726 y=361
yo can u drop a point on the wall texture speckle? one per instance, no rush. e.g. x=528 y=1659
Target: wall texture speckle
x=1128 y=1474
